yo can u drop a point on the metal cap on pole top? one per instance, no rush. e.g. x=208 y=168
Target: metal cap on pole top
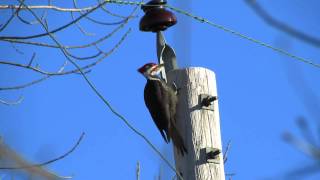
x=157 y=19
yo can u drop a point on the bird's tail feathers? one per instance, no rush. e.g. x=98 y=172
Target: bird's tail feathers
x=178 y=140
x=165 y=136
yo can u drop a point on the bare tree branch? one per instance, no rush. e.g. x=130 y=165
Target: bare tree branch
x=103 y=8
x=86 y=57
x=281 y=25
x=84 y=32
x=38 y=70
x=16 y=49
x=8 y=153
x=225 y=155
x=57 y=29
x=102 y=39
x=49 y=7
x=25 y=85
x=86 y=68
x=99 y=22
x=16 y=102
x=306 y=130
x=31 y=60
x=303 y=146
x=4 y=149
x=138 y=170
x=34 y=81
x=11 y=17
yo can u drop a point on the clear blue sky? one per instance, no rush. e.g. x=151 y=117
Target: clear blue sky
x=260 y=93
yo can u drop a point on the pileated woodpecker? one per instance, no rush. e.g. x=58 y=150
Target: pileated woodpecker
x=161 y=100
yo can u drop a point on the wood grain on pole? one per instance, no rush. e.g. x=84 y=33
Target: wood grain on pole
x=199 y=127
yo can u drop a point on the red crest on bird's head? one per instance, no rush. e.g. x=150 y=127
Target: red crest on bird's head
x=150 y=70
x=147 y=66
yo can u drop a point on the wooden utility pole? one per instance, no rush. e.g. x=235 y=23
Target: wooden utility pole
x=197 y=112
x=199 y=124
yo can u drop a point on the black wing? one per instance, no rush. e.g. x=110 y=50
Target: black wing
x=157 y=101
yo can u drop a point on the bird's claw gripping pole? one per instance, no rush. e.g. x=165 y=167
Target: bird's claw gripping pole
x=158 y=19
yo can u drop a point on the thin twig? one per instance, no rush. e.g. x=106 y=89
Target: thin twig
x=86 y=57
x=34 y=81
x=82 y=30
x=57 y=29
x=10 y=103
x=138 y=170
x=225 y=155
x=104 y=9
x=99 y=22
x=48 y=7
x=31 y=60
x=50 y=74
x=305 y=147
x=305 y=130
x=106 y=54
x=11 y=17
x=25 y=85
x=258 y=9
x=100 y=40
x=74 y=147
x=16 y=49
x=28 y=22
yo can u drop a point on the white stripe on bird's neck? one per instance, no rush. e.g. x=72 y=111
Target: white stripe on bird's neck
x=153 y=77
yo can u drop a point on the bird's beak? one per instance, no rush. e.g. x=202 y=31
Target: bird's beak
x=158 y=68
